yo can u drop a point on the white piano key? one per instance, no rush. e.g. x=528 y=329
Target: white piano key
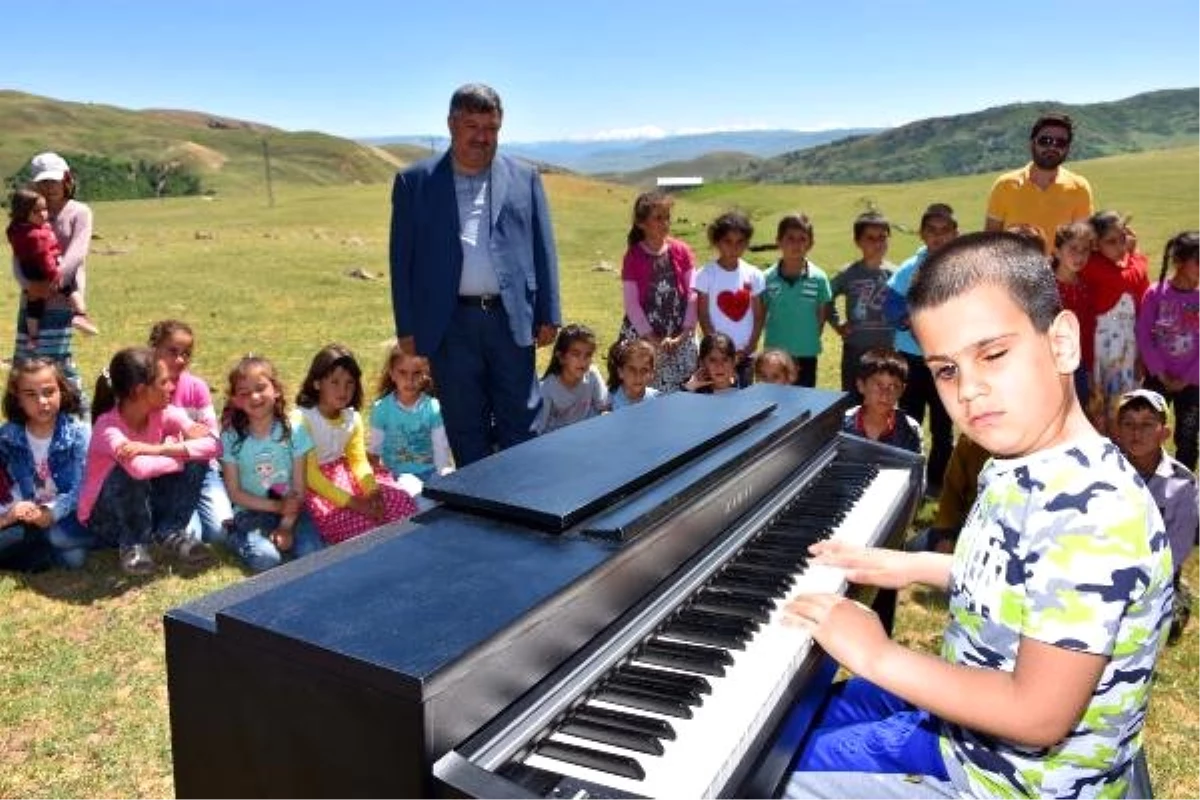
x=711 y=745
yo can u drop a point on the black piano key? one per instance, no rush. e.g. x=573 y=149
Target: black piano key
x=771 y=562
x=793 y=558
x=781 y=574
x=749 y=586
x=720 y=622
x=646 y=701
x=678 y=655
x=693 y=682
x=705 y=635
x=675 y=693
x=740 y=605
x=651 y=726
x=609 y=734
x=592 y=759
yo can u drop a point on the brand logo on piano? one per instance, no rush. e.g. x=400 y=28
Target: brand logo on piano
x=738 y=499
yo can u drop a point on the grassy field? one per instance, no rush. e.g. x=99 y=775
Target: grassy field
x=83 y=705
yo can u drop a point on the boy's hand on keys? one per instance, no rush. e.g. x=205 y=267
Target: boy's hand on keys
x=848 y=631
x=869 y=566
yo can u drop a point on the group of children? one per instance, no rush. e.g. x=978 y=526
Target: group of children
x=159 y=469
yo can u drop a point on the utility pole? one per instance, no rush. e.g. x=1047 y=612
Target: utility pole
x=267 y=166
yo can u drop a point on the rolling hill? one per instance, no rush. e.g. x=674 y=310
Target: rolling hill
x=228 y=154
x=985 y=141
x=709 y=166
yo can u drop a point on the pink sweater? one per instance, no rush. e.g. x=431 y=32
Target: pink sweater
x=110 y=432
x=192 y=395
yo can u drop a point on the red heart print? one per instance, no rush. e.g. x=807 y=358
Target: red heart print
x=735 y=304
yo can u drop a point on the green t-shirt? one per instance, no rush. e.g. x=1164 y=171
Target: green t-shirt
x=1067 y=547
x=793 y=307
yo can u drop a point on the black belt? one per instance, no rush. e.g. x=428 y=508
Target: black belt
x=484 y=302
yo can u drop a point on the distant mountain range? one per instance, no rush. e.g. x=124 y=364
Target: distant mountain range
x=632 y=155
x=229 y=154
x=985 y=141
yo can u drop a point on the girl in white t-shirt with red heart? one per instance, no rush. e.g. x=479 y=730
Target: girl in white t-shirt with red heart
x=729 y=291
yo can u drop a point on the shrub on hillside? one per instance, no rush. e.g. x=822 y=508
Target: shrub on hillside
x=104 y=178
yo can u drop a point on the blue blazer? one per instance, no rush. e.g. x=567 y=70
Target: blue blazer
x=426 y=252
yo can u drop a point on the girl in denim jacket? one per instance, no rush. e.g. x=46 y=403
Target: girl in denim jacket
x=44 y=444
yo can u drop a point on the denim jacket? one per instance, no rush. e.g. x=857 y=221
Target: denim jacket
x=68 y=451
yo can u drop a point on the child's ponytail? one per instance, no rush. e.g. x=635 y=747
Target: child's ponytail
x=1168 y=257
x=128 y=369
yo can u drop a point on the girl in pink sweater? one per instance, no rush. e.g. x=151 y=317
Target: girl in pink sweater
x=145 y=464
x=173 y=342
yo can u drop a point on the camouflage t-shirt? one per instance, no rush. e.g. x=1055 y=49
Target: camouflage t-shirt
x=1067 y=547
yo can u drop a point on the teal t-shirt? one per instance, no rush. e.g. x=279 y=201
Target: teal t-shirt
x=403 y=437
x=265 y=464
x=1067 y=547
x=793 y=307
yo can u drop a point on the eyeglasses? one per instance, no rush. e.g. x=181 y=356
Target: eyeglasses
x=1053 y=141
x=178 y=352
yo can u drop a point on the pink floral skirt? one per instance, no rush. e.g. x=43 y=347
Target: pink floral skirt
x=339 y=524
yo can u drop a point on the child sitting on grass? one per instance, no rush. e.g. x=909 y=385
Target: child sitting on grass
x=881 y=378
x=1059 y=589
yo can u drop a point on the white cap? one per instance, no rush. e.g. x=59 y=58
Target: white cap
x=48 y=167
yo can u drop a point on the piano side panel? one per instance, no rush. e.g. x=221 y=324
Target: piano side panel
x=229 y=706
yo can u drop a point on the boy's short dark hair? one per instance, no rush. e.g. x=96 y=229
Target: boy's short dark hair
x=938 y=211
x=728 y=222
x=882 y=360
x=1055 y=120
x=798 y=221
x=1143 y=400
x=870 y=219
x=988 y=258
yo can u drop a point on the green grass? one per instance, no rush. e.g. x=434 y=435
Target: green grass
x=83 y=705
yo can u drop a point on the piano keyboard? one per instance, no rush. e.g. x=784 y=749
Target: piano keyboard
x=676 y=716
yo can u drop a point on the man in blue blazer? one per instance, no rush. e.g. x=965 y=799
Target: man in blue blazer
x=475 y=278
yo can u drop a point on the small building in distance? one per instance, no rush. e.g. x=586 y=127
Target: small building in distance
x=677 y=184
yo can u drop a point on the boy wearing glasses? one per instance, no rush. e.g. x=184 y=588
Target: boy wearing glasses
x=1141 y=431
x=1043 y=193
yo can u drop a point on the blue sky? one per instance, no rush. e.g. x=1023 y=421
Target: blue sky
x=577 y=68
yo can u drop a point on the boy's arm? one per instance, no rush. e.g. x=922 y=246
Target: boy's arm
x=1035 y=705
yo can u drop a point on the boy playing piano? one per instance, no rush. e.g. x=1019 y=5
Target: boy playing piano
x=1059 y=588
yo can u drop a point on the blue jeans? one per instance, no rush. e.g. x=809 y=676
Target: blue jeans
x=249 y=539
x=129 y=511
x=214 y=510
x=486 y=384
x=870 y=743
x=64 y=544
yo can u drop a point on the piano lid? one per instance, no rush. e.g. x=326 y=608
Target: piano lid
x=556 y=480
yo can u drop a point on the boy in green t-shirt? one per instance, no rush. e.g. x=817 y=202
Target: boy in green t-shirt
x=797 y=298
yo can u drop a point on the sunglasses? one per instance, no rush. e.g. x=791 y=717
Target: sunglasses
x=1053 y=141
